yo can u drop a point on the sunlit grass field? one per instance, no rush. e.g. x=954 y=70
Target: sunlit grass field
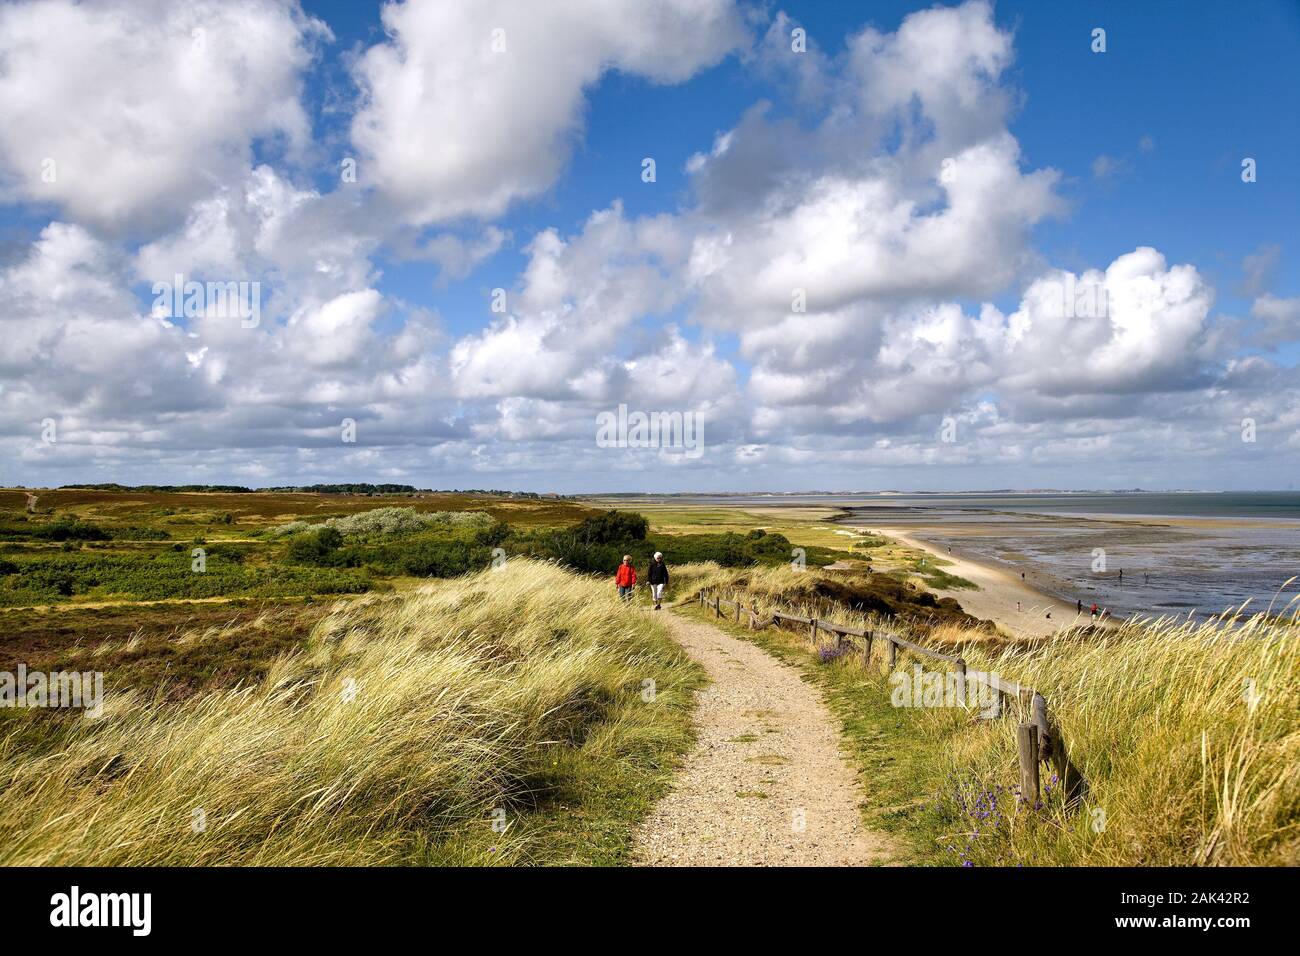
x=516 y=715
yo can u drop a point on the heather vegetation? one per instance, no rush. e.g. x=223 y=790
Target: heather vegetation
x=151 y=546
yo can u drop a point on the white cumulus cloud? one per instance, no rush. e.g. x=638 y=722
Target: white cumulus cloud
x=470 y=106
x=123 y=112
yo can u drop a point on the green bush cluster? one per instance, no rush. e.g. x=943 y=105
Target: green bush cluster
x=390 y=522
x=71 y=528
x=64 y=529
x=401 y=541
x=598 y=544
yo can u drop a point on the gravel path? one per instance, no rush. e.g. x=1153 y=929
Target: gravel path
x=766 y=783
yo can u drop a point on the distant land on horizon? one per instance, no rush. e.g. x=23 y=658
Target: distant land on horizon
x=402 y=489
x=967 y=491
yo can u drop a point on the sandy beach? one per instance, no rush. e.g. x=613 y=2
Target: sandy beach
x=1015 y=605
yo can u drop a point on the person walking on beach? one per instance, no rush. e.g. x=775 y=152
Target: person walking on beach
x=658 y=578
x=625 y=579
x=1094 y=610
x=1079 y=607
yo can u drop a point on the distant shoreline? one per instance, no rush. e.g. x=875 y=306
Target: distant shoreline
x=1020 y=607
x=1176 y=566
x=1155 y=505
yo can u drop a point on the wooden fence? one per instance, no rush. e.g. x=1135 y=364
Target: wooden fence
x=1037 y=739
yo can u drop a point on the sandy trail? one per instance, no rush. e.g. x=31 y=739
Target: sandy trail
x=1002 y=597
x=766 y=783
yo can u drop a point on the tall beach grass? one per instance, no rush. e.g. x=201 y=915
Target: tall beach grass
x=401 y=733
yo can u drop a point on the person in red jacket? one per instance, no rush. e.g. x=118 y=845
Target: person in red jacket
x=625 y=578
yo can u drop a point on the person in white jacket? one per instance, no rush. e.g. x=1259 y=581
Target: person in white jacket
x=658 y=578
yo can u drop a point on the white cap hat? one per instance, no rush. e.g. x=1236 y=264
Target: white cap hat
x=658 y=555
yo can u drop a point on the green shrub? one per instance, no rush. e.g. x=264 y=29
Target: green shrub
x=136 y=533
x=444 y=559
x=315 y=547
x=773 y=545
x=63 y=529
x=612 y=527
x=395 y=521
x=390 y=522
x=228 y=552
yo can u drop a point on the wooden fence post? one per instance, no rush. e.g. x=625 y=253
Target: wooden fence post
x=893 y=652
x=717 y=607
x=961 y=682
x=1027 y=744
x=995 y=711
x=1038 y=716
x=1051 y=751
x=866 y=652
x=812 y=631
x=737 y=612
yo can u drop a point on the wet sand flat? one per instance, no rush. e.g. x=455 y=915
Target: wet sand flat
x=1017 y=606
x=1147 y=565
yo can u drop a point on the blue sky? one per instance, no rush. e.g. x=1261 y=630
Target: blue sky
x=221 y=162
x=1204 y=82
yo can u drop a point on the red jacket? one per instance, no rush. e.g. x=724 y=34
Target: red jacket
x=626 y=576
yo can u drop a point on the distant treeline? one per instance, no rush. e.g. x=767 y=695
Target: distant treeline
x=355 y=488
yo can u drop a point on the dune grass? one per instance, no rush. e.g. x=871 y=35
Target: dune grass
x=1187 y=734
x=518 y=715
